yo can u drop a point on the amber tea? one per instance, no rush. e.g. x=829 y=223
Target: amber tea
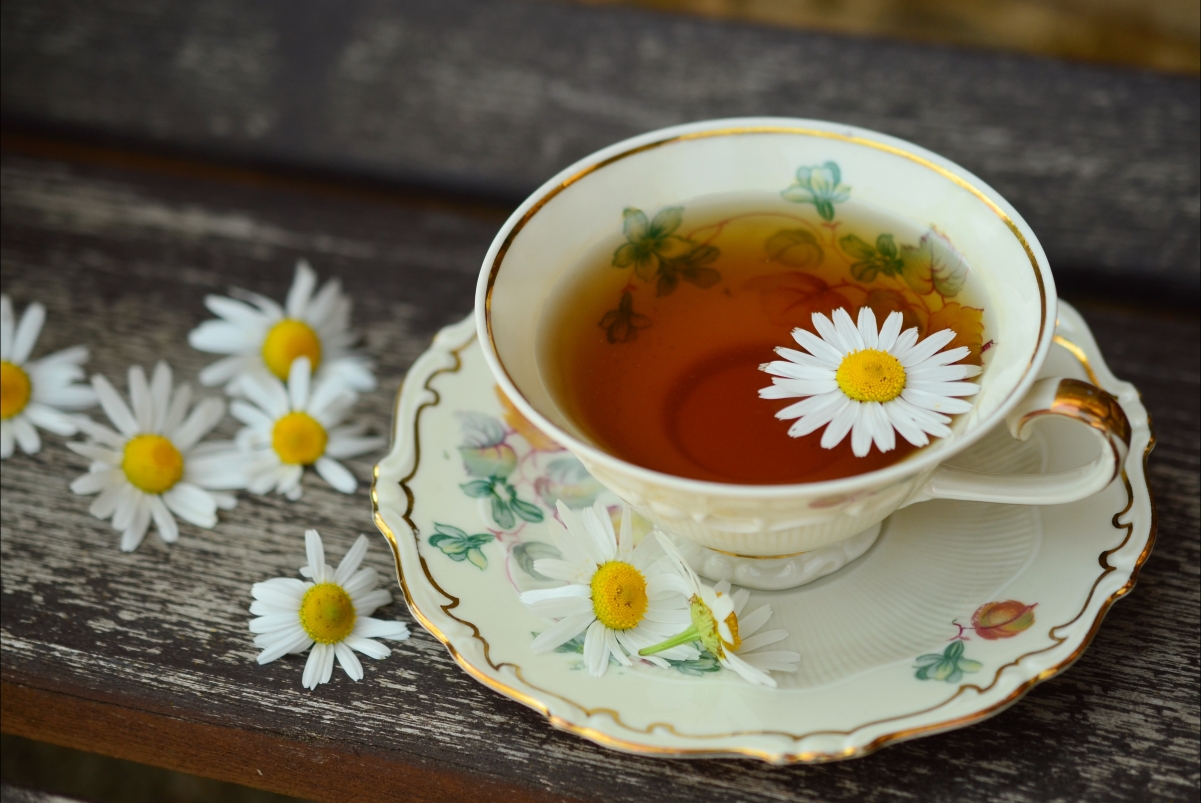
x=654 y=342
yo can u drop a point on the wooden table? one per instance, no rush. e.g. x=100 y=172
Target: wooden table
x=154 y=154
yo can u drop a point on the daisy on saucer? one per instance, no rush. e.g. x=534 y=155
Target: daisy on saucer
x=622 y=597
x=718 y=623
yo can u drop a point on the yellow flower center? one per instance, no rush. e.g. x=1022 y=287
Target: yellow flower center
x=152 y=463
x=327 y=613
x=14 y=389
x=288 y=340
x=706 y=626
x=298 y=439
x=619 y=595
x=871 y=376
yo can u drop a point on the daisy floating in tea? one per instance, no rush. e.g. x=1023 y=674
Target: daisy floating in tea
x=870 y=383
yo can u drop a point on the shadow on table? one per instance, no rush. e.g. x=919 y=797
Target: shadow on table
x=26 y=765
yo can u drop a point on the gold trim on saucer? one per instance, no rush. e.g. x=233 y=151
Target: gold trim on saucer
x=758 y=557
x=773 y=757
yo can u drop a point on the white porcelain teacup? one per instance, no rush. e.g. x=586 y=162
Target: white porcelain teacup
x=778 y=536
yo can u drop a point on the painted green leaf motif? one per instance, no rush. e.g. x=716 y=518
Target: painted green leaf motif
x=697 y=667
x=797 y=248
x=480 y=431
x=525 y=554
x=657 y=255
x=820 y=185
x=505 y=506
x=490 y=461
x=621 y=325
x=872 y=260
x=948 y=666
x=457 y=545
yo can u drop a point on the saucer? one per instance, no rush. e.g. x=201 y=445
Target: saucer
x=953 y=613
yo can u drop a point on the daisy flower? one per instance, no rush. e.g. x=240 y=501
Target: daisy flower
x=330 y=613
x=34 y=394
x=718 y=623
x=622 y=597
x=288 y=428
x=262 y=337
x=153 y=465
x=869 y=383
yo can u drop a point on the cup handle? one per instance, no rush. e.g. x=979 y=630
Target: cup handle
x=1071 y=398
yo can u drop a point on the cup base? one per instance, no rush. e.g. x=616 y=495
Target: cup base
x=775 y=574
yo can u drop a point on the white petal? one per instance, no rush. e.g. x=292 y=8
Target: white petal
x=814 y=421
x=220 y=337
x=561 y=607
x=97 y=481
x=816 y=346
x=801 y=387
x=847 y=330
x=336 y=475
x=596 y=650
x=222 y=370
x=274 y=622
x=368 y=628
x=773 y=660
x=192 y=504
x=300 y=373
x=926 y=348
x=352 y=447
x=905 y=425
x=296 y=642
x=360 y=583
x=27 y=333
x=939 y=388
x=139 y=396
x=882 y=431
x=348 y=661
x=904 y=343
x=106 y=503
x=811 y=405
x=752 y=643
x=164 y=522
x=114 y=406
x=268 y=393
x=50 y=419
x=300 y=291
x=224 y=470
x=366 y=604
x=562 y=632
x=929 y=401
x=792 y=370
x=314 y=549
x=809 y=360
x=7 y=326
x=314 y=667
x=251 y=416
x=351 y=560
x=372 y=649
x=748 y=625
x=6 y=439
x=70 y=397
x=202 y=420
x=26 y=435
x=131 y=539
x=746 y=671
x=829 y=333
x=840 y=425
x=867 y=328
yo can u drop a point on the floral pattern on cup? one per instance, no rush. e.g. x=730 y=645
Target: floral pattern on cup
x=820 y=185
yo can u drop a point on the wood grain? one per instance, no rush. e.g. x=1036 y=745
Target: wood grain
x=493 y=97
x=156 y=641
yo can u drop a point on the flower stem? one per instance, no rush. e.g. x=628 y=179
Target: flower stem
x=686 y=637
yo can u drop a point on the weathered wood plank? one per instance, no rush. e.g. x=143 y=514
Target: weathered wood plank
x=494 y=97
x=121 y=259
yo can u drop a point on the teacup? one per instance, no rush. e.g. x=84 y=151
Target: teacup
x=778 y=536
